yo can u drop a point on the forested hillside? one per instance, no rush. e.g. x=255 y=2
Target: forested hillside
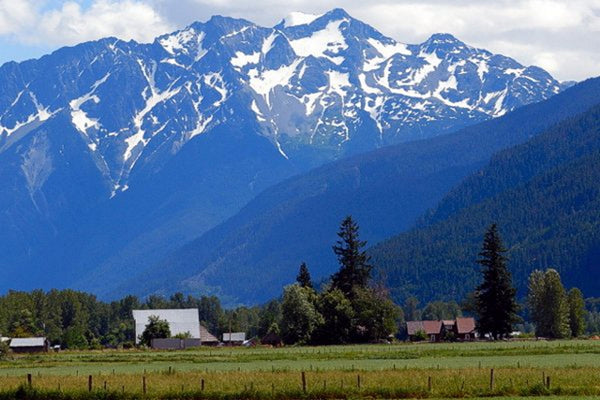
x=385 y=190
x=545 y=197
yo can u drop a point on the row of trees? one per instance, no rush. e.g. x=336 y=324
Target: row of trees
x=349 y=309
x=79 y=320
x=555 y=312
x=346 y=307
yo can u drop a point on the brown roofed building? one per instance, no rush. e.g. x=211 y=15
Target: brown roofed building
x=432 y=329
x=465 y=328
x=207 y=338
x=462 y=329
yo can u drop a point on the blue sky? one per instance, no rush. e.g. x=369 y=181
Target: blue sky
x=559 y=35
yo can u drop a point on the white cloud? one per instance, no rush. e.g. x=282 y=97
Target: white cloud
x=14 y=14
x=562 y=36
x=71 y=23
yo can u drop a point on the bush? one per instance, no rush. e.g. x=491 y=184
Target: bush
x=420 y=336
x=4 y=349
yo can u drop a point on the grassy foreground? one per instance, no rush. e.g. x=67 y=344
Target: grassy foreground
x=336 y=372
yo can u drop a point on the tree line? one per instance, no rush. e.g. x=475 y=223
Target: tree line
x=350 y=307
x=555 y=312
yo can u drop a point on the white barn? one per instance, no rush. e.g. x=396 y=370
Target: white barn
x=180 y=321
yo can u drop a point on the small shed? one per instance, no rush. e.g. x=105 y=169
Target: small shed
x=29 y=345
x=465 y=328
x=234 y=338
x=207 y=338
x=272 y=339
x=432 y=329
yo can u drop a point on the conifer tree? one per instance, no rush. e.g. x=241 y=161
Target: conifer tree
x=355 y=270
x=303 y=277
x=496 y=305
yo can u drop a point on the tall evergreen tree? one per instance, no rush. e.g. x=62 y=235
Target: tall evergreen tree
x=496 y=304
x=576 y=312
x=355 y=270
x=303 y=277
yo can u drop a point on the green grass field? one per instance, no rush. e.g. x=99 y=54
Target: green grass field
x=370 y=371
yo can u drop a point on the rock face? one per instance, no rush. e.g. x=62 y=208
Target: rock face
x=114 y=152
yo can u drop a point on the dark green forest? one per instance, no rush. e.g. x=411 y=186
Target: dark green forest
x=545 y=197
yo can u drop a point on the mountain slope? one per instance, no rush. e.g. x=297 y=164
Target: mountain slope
x=168 y=139
x=545 y=197
x=385 y=190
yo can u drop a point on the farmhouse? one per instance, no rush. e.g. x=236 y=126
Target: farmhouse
x=29 y=345
x=465 y=329
x=432 y=329
x=180 y=321
x=234 y=338
x=460 y=328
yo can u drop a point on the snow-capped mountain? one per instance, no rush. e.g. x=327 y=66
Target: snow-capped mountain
x=142 y=146
x=317 y=81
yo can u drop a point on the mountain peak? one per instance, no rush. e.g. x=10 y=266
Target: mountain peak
x=337 y=13
x=443 y=38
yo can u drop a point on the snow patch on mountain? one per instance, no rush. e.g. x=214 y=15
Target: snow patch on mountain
x=385 y=50
x=322 y=43
x=296 y=18
x=264 y=82
x=79 y=117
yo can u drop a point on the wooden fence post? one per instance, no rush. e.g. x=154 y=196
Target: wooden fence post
x=358 y=381
x=303 y=382
x=90 y=383
x=429 y=383
x=548 y=382
x=29 y=380
x=492 y=379
x=543 y=377
x=202 y=385
x=144 y=384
